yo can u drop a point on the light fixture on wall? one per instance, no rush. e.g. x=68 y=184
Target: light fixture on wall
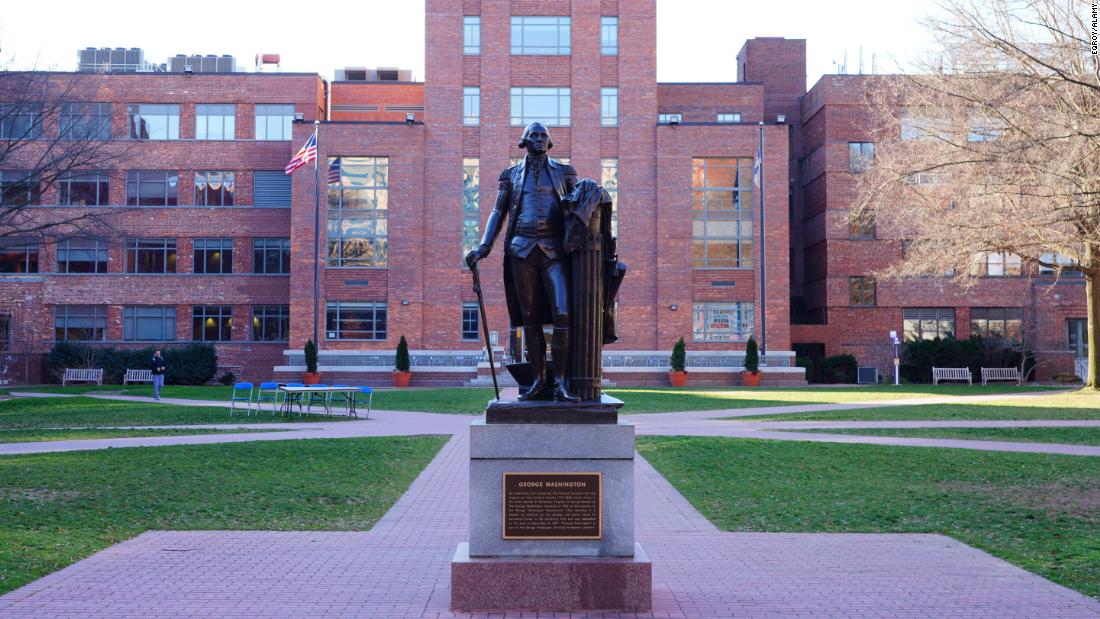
x=781 y=118
x=410 y=118
x=673 y=307
x=404 y=301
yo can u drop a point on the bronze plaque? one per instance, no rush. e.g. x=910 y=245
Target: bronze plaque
x=552 y=506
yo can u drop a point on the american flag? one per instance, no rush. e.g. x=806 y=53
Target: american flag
x=334 y=171
x=305 y=155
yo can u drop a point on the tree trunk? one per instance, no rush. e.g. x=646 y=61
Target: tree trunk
x=1092 y=300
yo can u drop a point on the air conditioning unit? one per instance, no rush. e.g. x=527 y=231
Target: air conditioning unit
x=867 y=376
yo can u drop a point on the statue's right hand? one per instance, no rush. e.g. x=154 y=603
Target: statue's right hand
x=477 y=254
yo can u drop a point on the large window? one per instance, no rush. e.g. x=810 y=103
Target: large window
x=928 y=323
x=84 y=189
x=152 y=323
x=918 y=124
x=1061 y=265
x=271 y=323
x=470 y=318
x=212 y=323
x=215 y=122
x=997 y=322
x=471 y=35
x=722 y=322
x=271 y=256
x=18 y=255
x=80 y=323
x=999 y=264
x=19 y=188
x=540 y=36
x=861 y=291
x=609 y=36
x=270 y=189
x=154 y=121
x=82 y=256
x=471 y=105
x=1077 y=334
x=471 y=205
x=549 y=106
x=860 y=156
x=215 y=188
x=355 y=321
x=213 y=256
x=150 y=256
x=609 y=179
x=85 y=121
x=357 y=212
x=20 y=121
x=273 y=122
x=861 y=226
x=722 y=226
x=609 y=107
x=152 y=188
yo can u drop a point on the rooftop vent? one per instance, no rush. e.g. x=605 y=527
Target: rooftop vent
x=113 y=60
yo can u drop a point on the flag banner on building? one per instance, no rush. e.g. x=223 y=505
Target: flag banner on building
x=334 y=171
x=307 y=153
x=759 y=161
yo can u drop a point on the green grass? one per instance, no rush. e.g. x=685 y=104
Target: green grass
x=1070 y=436
x=34 y=436
x=1077 y=405
x=1038 y=511
x=56 y=509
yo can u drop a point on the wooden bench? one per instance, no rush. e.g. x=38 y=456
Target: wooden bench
x=137 y=376
x=989 y=374
x=82 y=375
x=939 y=374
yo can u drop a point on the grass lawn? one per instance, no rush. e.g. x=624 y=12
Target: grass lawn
x=1072 y=436
x=56 y=509
x=34 y=436
x=1037 y=511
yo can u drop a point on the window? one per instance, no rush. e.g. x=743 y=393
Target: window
x=215 y=122
x=20 y=121
x=152 y=188
x=609 y=36
x=270 y=189
x=729 y=118
x=609 y=179
x=82 y=256
x=997 y=322
x=860 y=156
x=917 y=125
x=271 y=323
x=215 y=188
x=609 y=107
x=1065 y=266
x=80 y=323
x=154 y=122
x=212 y=323
x=861 y=291
x=357 y=212
x=546 y=105
x=85 y=121
x=999 y=264
x=84 y=189
x=664 y=119
x=471 y=35
x=18 y=256
x=471 y=205
x=355 y=321
x=5 y=332
x=861 y=226
x=928 y=323
x=150 y=256
x=19 y=188
x=1077 y=334
x=273 y=122
x=722 y=322
x=271 y=256
x=470 y=318
x=154 y=323
x=471 y=106
x=983 y=129
x=213 y=256
x=722 y=211
x=923 y=179
x=540 y=36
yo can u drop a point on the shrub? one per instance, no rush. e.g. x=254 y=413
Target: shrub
x=808 y=364
x=678 y=360
x=192 y=364
x=752 y=356
x=228 y=379
x=311 y=356
x=839 y=369
x=401 y=360
x=918 y=358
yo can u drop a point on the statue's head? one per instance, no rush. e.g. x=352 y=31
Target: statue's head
x=536 y=139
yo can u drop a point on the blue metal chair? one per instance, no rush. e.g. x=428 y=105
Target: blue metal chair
x=242 y=392
x=358 y=398
x=343 y=399
x=293 y=398
x=323 y=398
x=268 y=392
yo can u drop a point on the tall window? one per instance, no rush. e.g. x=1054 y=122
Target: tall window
x=82 y=256
x=85 y=121
x=546 y=105
x=150 y=256
x=471 y=205
x=609 y=179
x=471 y=105
x=722 y=322
x=18 y=255
x=1077 y=334
x=928 y=323
x=722 y=210
x=609 y=36
x=19 y=188
x=861 y=155
x=735 y=117
x=215 y=122
x=152 y=188
x=609 y=107
x=215 y=188
x=154 y=121
x=470 y=318
x=271 y=256
x=149 y=323
x=271 y=323
x=270 y=189
x=355 y=321
x=998 y=322
x=20 y=121
x=80 y=323
x=861 y=291
x=358 y=212
x=213 y=256
x=861 y=226
x=540 y=36
x=471 y=35
x=84 y=189
x=5 y=332
x=212 y=323
x=273 y=122
x=999 y=264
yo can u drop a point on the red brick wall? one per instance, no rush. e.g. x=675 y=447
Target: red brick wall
x=703 y=102
x=380 y=94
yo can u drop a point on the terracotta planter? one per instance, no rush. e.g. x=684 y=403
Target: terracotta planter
x=750 y=379
x=311 y=378
x=677 y=379
x=401 y=379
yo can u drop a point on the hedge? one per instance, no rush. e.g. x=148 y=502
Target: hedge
x=190 y=364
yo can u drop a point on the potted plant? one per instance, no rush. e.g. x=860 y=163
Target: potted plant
x=401 y=373
x=312 y=376
x=677 y=375
x=751 y=376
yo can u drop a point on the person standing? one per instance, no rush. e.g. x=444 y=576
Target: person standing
x=158 y=367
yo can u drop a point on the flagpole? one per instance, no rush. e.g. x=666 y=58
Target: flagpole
x=763 y=261
x=316 y=226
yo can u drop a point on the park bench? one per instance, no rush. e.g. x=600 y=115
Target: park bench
x=82 y=375
x=137 y=376
x=989 y=374
x=939 y=374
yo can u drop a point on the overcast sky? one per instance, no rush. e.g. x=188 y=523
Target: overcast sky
x=697 y=40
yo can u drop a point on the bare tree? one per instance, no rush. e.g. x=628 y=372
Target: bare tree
x=989 y=153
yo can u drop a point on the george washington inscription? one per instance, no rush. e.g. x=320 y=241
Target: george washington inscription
x=552 y=506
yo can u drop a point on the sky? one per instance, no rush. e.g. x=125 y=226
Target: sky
x=697 y=40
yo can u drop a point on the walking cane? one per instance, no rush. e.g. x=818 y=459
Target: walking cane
x=484 y=324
